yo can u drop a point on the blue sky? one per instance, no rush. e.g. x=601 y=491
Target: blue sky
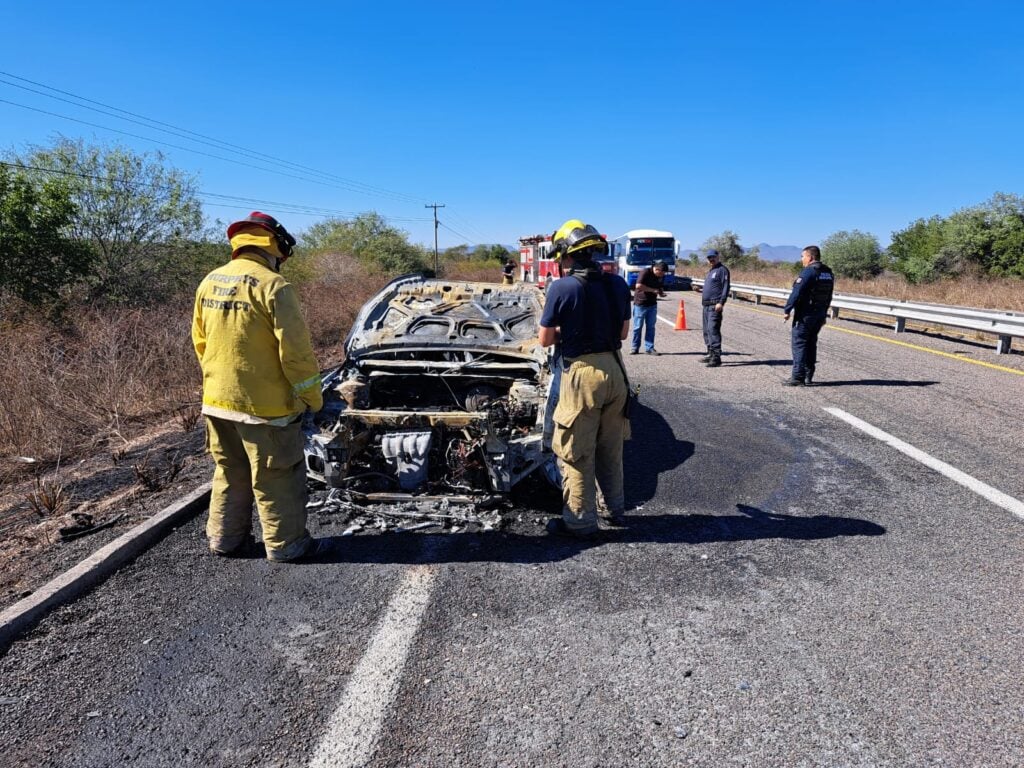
x=781 y=121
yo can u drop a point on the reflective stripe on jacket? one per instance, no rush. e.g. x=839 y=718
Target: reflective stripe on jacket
x=252 y=342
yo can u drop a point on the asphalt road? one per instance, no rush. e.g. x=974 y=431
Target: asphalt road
x=790 y=591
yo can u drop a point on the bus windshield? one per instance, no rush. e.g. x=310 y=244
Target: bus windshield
x=647 y=250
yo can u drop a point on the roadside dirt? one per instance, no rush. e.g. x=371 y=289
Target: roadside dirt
x=108 y=486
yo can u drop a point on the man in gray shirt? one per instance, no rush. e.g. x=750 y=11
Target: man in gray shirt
x=713 y=297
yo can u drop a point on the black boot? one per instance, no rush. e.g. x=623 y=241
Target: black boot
x=714 y=361
x=707 y=357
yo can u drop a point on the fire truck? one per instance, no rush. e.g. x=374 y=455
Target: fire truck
x=535 y=263
x=537 y=266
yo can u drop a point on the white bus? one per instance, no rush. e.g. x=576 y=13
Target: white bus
x=640 y=248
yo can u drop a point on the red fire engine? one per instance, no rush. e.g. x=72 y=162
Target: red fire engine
x=537 y=266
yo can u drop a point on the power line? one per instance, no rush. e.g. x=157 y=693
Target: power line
x=187 y=149
x=456 y=232
x=349 y=185
x=187 y=134
x=301 y=208
x=463 y=222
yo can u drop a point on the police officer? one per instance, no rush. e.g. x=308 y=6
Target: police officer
x=588 y=313
x=259 y=376
x=713 y=296
x=808 y=302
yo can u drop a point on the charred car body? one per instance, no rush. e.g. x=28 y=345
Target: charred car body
x=442 y=393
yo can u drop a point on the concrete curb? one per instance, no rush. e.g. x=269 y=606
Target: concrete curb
x=100 y=564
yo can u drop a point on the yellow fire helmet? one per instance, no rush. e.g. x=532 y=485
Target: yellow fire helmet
x=574 y=236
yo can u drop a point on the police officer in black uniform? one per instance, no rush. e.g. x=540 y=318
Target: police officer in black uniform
x=808 y=302
x=714 y=294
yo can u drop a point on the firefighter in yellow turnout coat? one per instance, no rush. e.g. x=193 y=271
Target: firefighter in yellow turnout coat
x=588 y=313
x=259 y=376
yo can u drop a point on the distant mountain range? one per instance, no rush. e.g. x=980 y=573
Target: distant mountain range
x=787 y=253
x=766 y=252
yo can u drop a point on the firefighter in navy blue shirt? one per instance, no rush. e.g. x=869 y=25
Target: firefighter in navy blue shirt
x=588 y=313
x=808 y=303
x=713 y=296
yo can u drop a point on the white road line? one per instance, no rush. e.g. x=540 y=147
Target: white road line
x=670 y=322
x=1000 y=499
x=353 y=732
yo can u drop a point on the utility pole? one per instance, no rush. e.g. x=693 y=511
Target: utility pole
x=435 y=206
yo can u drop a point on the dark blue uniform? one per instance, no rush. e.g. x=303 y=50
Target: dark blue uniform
x=580 y=308
x=809 y=301
x=715 y=291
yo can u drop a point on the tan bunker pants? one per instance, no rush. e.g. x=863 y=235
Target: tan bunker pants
x=265 y=464
x=589 y=430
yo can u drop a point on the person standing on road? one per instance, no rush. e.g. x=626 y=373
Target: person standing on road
x=587 y=312
x=259 y=376
x=808 y=303
x=649 y=286
x=713 y=296
x=508 y=272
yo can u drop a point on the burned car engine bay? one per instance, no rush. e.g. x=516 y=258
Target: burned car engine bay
x=440 y=400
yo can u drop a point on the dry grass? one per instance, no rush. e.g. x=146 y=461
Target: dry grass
x=50 y=497
x=155 y=474
x=330 y=304
x=1003 y=293
x=473 y=270
x=91 y=382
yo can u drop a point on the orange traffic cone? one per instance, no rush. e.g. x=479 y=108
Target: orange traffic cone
x=681 y=317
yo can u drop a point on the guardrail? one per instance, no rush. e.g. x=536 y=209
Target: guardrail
x=1004 y=325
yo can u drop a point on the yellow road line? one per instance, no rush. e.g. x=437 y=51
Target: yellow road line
x=903 y=344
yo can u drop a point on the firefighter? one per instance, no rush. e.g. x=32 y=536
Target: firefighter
x=808 y=302
x=259 y=376
x=508 y=272
x=588 y=314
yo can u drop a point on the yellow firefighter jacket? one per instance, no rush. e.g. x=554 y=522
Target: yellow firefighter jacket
x=252 y=343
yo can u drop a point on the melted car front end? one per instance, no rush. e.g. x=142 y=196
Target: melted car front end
x=442 y=393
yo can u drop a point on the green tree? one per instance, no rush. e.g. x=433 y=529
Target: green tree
x=986 y=238
x=494 y=253
x=1006 y=222
x=853 y=254
x=369 y=238
x=731 y=253
x=728 y=246
x=37 y=259
x=914 y=251
x=139 y=215
x=456 y=253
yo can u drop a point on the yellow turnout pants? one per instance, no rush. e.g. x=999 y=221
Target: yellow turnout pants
x=265 y=464
x=589 y=430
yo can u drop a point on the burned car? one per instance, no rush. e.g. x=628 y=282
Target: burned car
x=442 y=394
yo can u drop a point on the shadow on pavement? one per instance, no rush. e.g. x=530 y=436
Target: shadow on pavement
x=749 y=525
x=653 y=449
x=873 y=383
x=759 y=362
